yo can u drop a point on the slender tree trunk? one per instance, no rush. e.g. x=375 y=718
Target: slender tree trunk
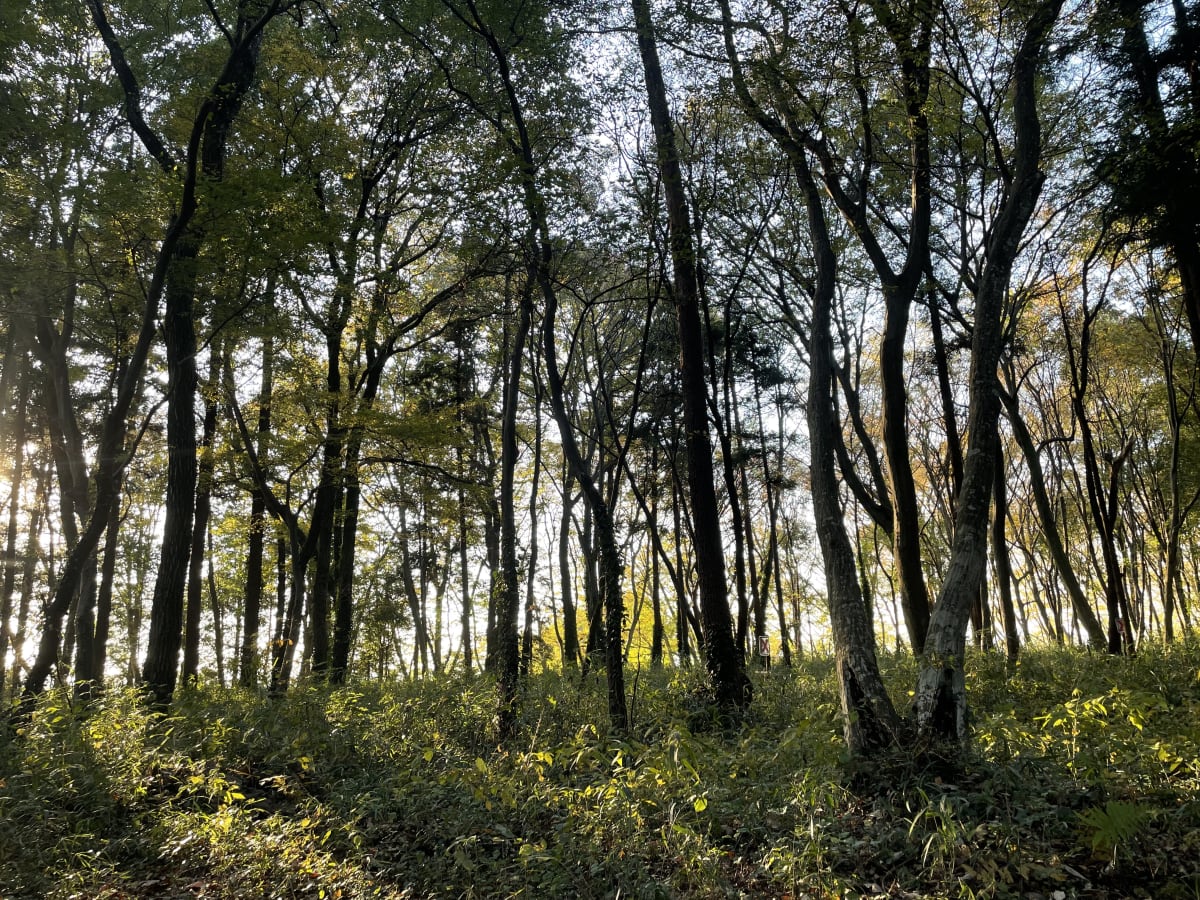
x=539 y=275
x=161 y=667
x=252 y=604
x=18 y=437
x=492 y=540
x=104 y=599
x=729 y=474
x=464 y=574
x=774 y=568
x=758 y=598
x=284 y=652
x=869 y=719
x=343 y=620
x=571 y=653
x=731 y=687
x=210 y=133
x=682 y=612
x=217 y=613
x=28 y=570
x=508 y=602
x=1062 y=563
x=941 y=701
x=532 y=562
x=1004 y=579
x=906 y=528
x=657 y=633
x=91 y=644
x=1101 y=496
x=204 y=485
x=329 y=493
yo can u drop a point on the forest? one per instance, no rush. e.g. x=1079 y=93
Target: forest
x=595 y=448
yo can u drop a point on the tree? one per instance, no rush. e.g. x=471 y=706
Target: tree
x=941 y=701
x=1151 y=163
x=203 y=164
x=731 y=687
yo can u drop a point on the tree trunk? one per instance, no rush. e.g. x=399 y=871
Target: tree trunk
x=210 y=133
x=1004 y=579
x=508 y=601
x=941 y=701
x=28 y=570
x=730 y=686
x=204 y=485
x=532 y=562
x=1062 y=563
x=869 y=719
x=343 y=620
x=252 y=604
x=571 y=653
x=18 y=436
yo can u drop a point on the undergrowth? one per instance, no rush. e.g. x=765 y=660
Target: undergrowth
x=1083 y=780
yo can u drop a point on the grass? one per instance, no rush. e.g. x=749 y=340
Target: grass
x=1083 y=780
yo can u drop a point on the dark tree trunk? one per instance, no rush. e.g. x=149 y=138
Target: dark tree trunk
x=571 y=652
x=284 y=652
x=492 y=540
x=610 y=567
x=508 y=601
x=211 y=131
x=726 y=674
x=252 y=604
x=343 y=620
x=532 y=562
x=93 y=621
x=1101 y=494
x=104 y=597
x=204 y=485
x=464 y=574
x=906 y=528
x=1062 y=563
x=773 y=572
x=161 y=667
x=1004 y=575
x=28 y=570
x=657 y=634
x=869 y=720
x=595 y=642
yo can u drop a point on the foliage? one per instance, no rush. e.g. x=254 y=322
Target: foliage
x=1083 y=780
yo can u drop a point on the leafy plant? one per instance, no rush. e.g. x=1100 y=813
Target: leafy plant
x=1113 y=827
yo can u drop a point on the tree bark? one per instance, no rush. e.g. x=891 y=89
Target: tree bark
x=210 y=134
x=941 y=701
x=730 y=685
x=508 y=602
x=203 y=510
x=1000 y=557
x=869 y=720
x=252 y=604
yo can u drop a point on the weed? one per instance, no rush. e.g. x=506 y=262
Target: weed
x=1082 y=779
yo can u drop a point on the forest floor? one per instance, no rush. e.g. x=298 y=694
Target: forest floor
x=1082 y=781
